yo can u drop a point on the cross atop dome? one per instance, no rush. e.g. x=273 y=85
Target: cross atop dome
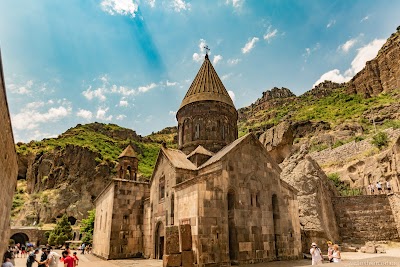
x=207 y=50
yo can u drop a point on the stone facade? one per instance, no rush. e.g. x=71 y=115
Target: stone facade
x=365 y=218
x=8 y=165
x=223 y=192
x=25 y=234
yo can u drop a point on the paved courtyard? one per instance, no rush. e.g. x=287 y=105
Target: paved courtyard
x=391 y=258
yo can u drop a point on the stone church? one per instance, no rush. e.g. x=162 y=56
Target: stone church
x=227 y=188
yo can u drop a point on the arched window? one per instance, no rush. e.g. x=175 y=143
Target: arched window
x=172 y=208
x=161 y=188
x=197 y=131
x=129 y=172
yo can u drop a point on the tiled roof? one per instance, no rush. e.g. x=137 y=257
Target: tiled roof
x=178 y=159
x=207 y=86
x=128 y=152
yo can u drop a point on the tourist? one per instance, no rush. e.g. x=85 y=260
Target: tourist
x=43 y=258
x=316 y=254
x=32 y=258
x=67 y=260
x=372 y=188
x=336 y=253
x=52 y=258
x=330 y=251
x=8 y=259
x=379 y=187
x=83 y=248
x=76 y=259
x=388 y=186
x=23 y=251
x=67 y=249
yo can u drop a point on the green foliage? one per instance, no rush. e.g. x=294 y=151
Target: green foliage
x=338 y=143
x=99 y=138
x=318 y=147
x=19 y=198
x=87 y=227
x=395 y=124
x=380 y=140
x=343 y=188
x=61 y=232
x=358 y=138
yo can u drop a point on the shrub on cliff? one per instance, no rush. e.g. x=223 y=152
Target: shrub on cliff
x=380 y=140
x=61 y=233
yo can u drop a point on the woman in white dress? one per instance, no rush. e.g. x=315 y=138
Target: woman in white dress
x=336 y=253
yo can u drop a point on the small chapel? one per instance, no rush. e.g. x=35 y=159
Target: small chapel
x=228 y=189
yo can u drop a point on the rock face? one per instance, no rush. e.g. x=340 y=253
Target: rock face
x=278 y=140
x=381 y=74
x=323 y=89
x=357 y=168
x=63 y=181
x=317 y=217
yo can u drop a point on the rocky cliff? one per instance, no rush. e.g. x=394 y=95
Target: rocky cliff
x=65 y=174
x=382 y=74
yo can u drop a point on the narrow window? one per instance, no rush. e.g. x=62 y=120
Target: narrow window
x=162 y=188
x=197 y=131
x=172 y=208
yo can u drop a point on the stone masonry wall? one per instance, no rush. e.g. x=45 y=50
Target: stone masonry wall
x=394 y=200
x=8 y=166
x=365 y=218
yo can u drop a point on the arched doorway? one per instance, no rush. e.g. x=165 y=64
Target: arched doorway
x=233 y=244
x=159 y=241
x=72 y=220
x=276 y=219
x=20 y=238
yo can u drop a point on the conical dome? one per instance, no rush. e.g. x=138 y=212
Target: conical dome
x=128 y=152
x=207 y=86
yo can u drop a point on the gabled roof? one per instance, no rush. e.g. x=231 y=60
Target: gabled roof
x=178 y=159
x=223 y=152
x=200 y=150
x=128 y=152
x=207 y=86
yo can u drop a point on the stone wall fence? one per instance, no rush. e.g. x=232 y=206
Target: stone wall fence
x=178 y=246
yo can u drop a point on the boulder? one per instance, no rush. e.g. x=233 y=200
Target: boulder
x=315 y=198
x=278 y=140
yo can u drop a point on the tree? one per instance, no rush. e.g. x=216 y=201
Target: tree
x=87 y=227
x=380 y=140
x=61 y=233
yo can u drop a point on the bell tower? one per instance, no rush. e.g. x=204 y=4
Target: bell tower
x=128 y=164
x=207 y=115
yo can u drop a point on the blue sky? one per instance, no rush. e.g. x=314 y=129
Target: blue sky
x=131 y=62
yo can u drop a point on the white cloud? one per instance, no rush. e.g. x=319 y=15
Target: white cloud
x=90 y=94
x=198 y=57
x=121 y=7
x=216 y=59
x=334 y=76
x=232 y=95
x=101 y=114
x=83 y=113
x=365 y=18
x=349 y=44
x=122 y=90
x=21 y=89
x=168 y=83
x=309 y=51
x=171 y=112
x=121 y=117
x=364 y=54
x=146 y=88
x=270 y=34
x=235 y=3
x=226 y=76
x=123 y=103
x=331 y=23
x=233 y=61
x=30 y=118
x=36 y=105
x=152 y=3
x=249 y=45
x=179 y=5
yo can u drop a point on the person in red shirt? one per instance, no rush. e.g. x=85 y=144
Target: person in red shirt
x=68 y=260
x=76 y=259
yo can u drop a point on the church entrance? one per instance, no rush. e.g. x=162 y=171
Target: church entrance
x=276 y=218
x=233 y=244
x=159 y=241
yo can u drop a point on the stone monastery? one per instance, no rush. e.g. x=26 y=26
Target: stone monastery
x=228 y=189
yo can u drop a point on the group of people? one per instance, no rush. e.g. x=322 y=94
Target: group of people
x=48 y=258
x=333 y=253
x=379 y=189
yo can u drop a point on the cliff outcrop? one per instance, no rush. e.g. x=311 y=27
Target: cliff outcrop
x=382 y=74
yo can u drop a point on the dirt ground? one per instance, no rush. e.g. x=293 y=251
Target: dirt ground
x=390 y=258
